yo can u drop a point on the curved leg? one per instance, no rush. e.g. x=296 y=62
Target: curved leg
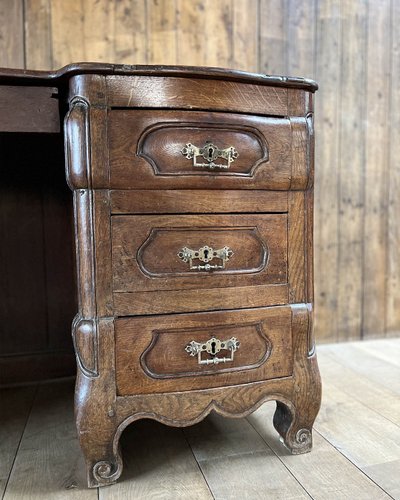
x=97 y=429
x=295 y=423
x=95 y=411
x=296 y=434
x=103 y=462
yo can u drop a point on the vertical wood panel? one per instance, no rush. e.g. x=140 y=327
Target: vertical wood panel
x=393 y=242
x=351 y=175
x=22 y=260
x=300 y=36
x=98 y=22
x=245 y=35
x=11 y=34
x=328 y=73
x=38 y=45
x=191 y=23
x=59 y=270
x=67 y=33
x=130 y=32
x=272 y=50
x=162 y=22
x=218 y=33
x=376 y=169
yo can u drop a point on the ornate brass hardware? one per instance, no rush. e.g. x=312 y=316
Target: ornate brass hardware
x=213 y=347
x=205 y=254
x=210 y=153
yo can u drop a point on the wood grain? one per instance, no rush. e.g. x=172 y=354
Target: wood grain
x=273 y=37
x=162 y=23
x=38 y=43
x=191 y=49
x=29 y=109
x=16 y=405
x=146 y=151
x=351 y=188
x=130 y=32
x=368 y=365
x=200 y=94
x=379 y=462
x=227 y=455
x=186 y=300
x=318 y=471
x=12 y=34
x=218 y=34
x=296 y=38
x=139 y=201
x=376 y=173
x=245 y=33
x=301 y=32
x=327 y=123
x=393 y=237
x=98 y=23
x=145 y=251
x=44 y=363
x=67 y=25
x=371 y=393
x=23 y=281
x=49 y=442
x=237 y=462
x=151 y=356
x=169 y=471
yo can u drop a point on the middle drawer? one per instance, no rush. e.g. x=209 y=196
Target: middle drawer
x=164 y=263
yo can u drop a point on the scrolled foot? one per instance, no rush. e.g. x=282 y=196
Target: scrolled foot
x=296 y=435
x=105 y=473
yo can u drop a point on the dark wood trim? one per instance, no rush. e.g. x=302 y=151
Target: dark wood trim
x=29 y=109
x=33 y=367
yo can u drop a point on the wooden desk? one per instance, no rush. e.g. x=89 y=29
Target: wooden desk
x=193 y=216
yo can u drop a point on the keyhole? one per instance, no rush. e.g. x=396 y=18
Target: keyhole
x=210 y=153
x=213 y=344
x=206 y=254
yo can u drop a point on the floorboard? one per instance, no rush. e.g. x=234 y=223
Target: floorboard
x=356 y=450
x=49 y=464
x=237 y=463
x=159 y=464
x=15 y=406
x=324 y=473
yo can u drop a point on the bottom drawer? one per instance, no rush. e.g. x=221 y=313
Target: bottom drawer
x=183 y=352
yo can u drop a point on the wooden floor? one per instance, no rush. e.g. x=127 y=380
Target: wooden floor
x=356 y=451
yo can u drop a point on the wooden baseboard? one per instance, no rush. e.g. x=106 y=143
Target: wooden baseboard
x=34 y=367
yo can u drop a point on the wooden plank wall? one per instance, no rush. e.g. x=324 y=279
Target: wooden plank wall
x=351 y=47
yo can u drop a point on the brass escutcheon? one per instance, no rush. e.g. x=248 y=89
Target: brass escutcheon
x=209 y=152
x=213 y=346
x=205 y=254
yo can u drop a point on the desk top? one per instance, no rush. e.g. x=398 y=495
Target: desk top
x=57 y=77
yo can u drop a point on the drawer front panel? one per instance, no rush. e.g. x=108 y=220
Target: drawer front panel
x=198 y=93
x=176 y=149
x=198 y=251
x=196 y=351
x=193 y=201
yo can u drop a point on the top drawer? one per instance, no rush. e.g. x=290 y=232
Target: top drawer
x=128 y=133
x=159 y=149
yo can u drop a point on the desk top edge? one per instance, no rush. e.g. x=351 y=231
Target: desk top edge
x=9 y=76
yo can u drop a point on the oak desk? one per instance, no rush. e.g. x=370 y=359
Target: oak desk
x=193 y=199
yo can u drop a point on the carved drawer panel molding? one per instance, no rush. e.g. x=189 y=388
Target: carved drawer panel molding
x=165 y=253
x=153 y=355
x=156 y=149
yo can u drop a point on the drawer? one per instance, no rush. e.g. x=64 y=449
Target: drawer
x=202 y=350
x=154 y=149
x=239 y=259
